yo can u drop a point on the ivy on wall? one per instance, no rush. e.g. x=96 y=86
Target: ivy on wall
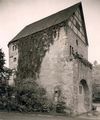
x=83 y=60
x=32 y=49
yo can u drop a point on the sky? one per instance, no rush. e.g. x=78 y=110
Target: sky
x=16 y=14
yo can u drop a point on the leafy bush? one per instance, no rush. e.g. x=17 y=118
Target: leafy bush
x=31 y=97
x=60 y=107
x=29 y=101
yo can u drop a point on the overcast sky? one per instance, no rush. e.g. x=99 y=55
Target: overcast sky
x=16 y=14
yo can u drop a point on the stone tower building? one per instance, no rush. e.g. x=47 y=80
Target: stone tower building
x=55 y=51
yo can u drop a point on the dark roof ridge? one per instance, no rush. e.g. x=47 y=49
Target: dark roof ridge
x=46 y=22
x=79 y=3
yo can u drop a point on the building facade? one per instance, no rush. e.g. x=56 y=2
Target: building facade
x=55 y=50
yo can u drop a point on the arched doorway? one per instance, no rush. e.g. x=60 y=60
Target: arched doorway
x=83 y=96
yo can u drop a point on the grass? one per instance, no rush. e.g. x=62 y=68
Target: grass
x=31 y=116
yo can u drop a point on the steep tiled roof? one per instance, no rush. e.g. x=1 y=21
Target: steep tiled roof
x=47 y=22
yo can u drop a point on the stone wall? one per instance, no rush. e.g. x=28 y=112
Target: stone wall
x=82 y=72
x=56 y=71
x=13 y=55
x=13 y=61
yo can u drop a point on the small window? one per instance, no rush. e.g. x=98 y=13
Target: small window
x=56 y=94
x=77 y=26
x=11 y=56
x=77 y=42
x=76 y=53
x=71 y=50
x=80 y=89
x=15 y=59
x=13 y=48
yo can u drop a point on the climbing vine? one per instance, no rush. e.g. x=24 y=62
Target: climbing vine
x=83 y=60
x=32 y=49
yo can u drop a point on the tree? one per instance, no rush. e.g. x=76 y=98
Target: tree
x=5 y=89
x=2 y=62
x=95 y=63
x=4 y=71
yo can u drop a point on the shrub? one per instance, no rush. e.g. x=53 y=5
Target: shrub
x=31 y=97
x=60 y=107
